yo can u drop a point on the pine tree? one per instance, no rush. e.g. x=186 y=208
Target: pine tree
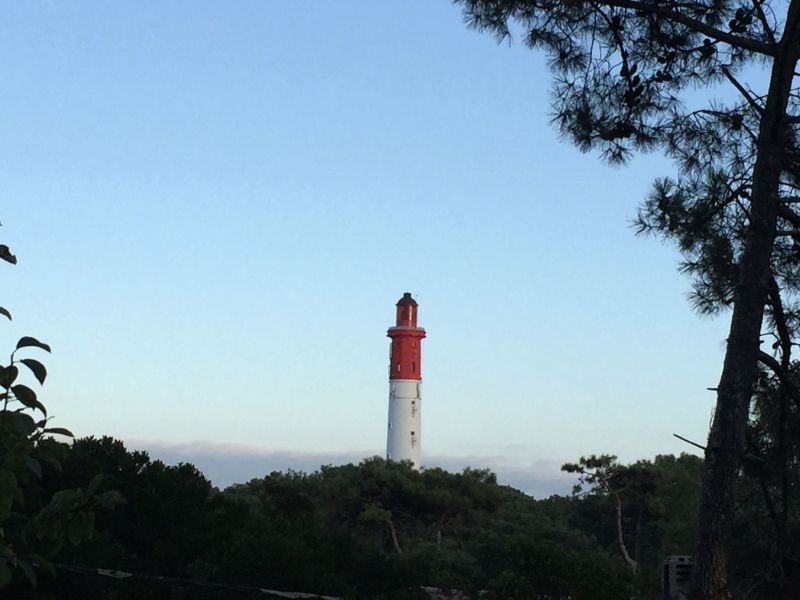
x=621 y=72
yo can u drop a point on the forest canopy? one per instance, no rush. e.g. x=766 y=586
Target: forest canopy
x=376 y=529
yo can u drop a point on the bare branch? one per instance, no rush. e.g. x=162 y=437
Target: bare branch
x=750 y=100
x=695 y=444
x=764 y=23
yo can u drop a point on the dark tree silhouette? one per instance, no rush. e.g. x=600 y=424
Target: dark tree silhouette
x=34 y=525
x=604 y=475
x=621 y=68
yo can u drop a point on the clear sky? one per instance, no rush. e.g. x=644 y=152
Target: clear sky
x=216 y=205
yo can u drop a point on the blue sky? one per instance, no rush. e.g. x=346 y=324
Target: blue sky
x=216 y=205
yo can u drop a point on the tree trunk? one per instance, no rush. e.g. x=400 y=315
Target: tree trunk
x=782 y=518
x=439 y=535
x=726 y=439
x=637 y=543
x=393 y=531
x=620 y=538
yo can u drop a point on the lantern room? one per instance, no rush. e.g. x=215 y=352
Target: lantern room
x=406 y=311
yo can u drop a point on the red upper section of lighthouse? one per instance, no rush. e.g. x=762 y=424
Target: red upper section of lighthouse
x=405 y=360
x=406 y=311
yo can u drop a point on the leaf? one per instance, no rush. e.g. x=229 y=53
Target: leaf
x=28 y=397
x=3 y=311
x=108 y=500
x=21 y=422
x=9 y=490
x=27 y=568
x=27 y=341
x=59 y=431
x=52 y=461
x=33 y=466
x=8 y=375
x=5 y=574
x=5 y=254
x=76 y=531
x=5 y=551
x=87 y=522
x=38 y=369
x=65 y=500
x=93 y=486
x=44 y=564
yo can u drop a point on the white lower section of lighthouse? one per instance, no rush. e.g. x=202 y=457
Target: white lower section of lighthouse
x=404 y=436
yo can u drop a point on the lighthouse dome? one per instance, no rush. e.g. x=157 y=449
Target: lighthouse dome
x=407 y=311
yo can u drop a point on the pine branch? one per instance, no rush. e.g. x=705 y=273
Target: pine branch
x=773 y=364
x=737 y=41
x=695 y=444
x=764 y=23
x=787 y=214
x=779 y=316
x=750 y=100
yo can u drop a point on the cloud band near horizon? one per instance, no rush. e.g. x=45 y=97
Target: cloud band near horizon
x=226 y=464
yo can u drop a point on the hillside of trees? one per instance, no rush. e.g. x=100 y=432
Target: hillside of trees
x=383 y=530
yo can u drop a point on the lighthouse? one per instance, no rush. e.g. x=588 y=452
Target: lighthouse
x=405 y=378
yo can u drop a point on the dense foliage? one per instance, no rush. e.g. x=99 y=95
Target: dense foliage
x=35 y=523
x=374 y=530
x=380 y=529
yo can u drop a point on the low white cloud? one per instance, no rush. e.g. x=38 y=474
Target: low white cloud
x=226 y=464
